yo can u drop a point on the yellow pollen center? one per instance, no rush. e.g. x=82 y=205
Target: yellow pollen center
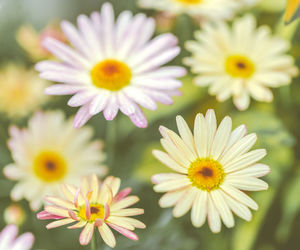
x=239 y=66
x=189 y=1
x=206 y=174
x=97 y=212
x=111 y=74
x=49 y=166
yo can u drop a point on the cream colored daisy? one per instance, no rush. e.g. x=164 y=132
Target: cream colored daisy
x=21 y=91
x=241 y=61
x=48 y=152
x=212 y=167
x=208 y=9
x=95 y=206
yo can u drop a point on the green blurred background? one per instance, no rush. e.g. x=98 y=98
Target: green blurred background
x=275 y=226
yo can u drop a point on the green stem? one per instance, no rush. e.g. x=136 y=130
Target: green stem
x=94 y=242
x=111 y=138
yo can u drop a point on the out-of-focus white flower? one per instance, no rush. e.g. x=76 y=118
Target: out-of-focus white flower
x=10 y=241
x=14 y=214
x=50 y=151
x=240 y=62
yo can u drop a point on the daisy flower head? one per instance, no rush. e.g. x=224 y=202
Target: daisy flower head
x=241 y=61
x=95 y=206
x=48 y=152
x=21 y=91
x=9 y=239
x=212 y=166
x=207 y=9
x=113 y=65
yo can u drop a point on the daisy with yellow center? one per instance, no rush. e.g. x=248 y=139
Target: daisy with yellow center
x=48 y=152
x=240 y=62
x=207 y=9
x=113 y=65
x=95 y=206
x=213 y=165
x=21 y=91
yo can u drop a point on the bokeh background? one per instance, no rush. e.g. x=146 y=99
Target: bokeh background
x=275 y=226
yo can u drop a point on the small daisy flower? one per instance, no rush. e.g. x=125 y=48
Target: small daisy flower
x=10 y=241
x=48 y=152
x=212 y=166
x=240 y=62
x=207 y=9
x=113 y=66
x=95 y=206
x=31 y=40
x=21 y=91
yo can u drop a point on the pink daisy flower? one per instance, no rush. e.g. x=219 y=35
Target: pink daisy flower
x=113 y=66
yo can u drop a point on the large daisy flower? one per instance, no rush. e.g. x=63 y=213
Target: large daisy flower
x=95 y=206
x=10 y=241
x=113 y=66
x=212 y=166
x=21 y=91
x=240 y=62
x=209 y=9
x=48 y=152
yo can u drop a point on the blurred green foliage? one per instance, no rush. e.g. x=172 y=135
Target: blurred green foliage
x=275 y=226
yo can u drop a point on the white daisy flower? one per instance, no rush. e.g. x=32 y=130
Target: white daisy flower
x=113 y=66
x=48 y=152
x=208 y=9
x=212 y=166
x=240 y=62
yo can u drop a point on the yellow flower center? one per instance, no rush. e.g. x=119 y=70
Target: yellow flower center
x=239 y=66
x=97 y=212
x=206 y=174
x=49 y=166
x=111 y=74
x=189 y=1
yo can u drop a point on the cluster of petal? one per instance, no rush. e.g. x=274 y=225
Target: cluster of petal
x=216 y=42
x=50 y=131
x=31 y=40
x=21 y=91
x=91 y=193
x=10 y=241
x=231 y=150
x=127 y=40
x=207 y=9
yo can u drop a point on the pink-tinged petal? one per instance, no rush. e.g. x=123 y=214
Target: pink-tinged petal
x=87 y=209
x=127 y=106
x=106 y=211
x=8 y=234
x=122 y=194
x=112 y=108
x=127 y=233
x=57 y=211
x=44 y=215
x=99 y=102
x=65 y=53
x=105 y=194
x=159 y=96
x=139 y=119
x=139 y=96
x=24 y=242
x=59 y=223
x=98 y=222
x=80 y=224
x=82 y=116
x=73 y=215
x=76 y=197
x=166 y=72
x=86 y=234
x=62 y=89
x=159 y=84
x=113 y=183
x=60 y=202
x=81 y=98
x=107 y=235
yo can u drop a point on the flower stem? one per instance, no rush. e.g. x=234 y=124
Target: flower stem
x=111 y=137
x=94 y=243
